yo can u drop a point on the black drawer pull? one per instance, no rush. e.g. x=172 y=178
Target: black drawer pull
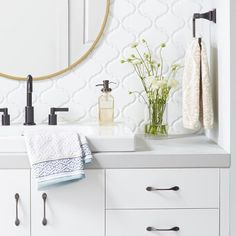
x=17 y=197
x=171 y=229
x=175 y=188
x=44 y=222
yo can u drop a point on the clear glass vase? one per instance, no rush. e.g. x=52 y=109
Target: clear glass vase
x=157 y=125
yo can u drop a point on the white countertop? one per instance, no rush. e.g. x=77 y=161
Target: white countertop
x=181 y=152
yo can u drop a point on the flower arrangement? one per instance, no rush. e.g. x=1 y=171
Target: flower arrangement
x=156 y=84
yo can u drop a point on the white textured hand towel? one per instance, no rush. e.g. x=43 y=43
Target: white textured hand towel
x=197 y=92
x=57 y=157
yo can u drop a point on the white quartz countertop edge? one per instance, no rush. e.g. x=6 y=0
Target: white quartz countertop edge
x=186 y=152
x=130 y=161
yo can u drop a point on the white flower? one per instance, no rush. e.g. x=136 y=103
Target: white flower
x=156 y=84
x=173 y=83
x=134 y=45
x=136 y=62
x=151 y=78
x=163 y=83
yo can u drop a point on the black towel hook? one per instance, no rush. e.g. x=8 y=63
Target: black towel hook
x=210 y=15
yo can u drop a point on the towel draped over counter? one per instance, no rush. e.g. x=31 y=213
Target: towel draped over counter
x=57 y=157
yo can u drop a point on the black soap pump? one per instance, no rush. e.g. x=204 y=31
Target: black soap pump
x=106 y=104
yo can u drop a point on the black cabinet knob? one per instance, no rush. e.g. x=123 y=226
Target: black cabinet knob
x=5 y=116
x=52 y=117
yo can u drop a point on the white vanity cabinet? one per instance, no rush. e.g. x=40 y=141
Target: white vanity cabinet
x=115 y=202
x=73 y=209
x=15 y=202
x=144 y=202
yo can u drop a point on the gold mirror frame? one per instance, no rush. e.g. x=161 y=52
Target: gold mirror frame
x=82 y=58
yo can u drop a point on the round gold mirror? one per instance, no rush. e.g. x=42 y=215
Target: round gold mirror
x=48 y=38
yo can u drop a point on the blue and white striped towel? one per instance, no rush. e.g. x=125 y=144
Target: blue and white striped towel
x=57 y=157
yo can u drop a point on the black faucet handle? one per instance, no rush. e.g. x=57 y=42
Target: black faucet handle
x=5 y=116
x=54 y=109
x=52 y=117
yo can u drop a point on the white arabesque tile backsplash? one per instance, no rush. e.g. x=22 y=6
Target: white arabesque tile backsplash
x=157 y=21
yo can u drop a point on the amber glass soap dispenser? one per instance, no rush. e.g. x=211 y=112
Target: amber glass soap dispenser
x=106 y=104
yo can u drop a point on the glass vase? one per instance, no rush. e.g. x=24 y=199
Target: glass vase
x=157 y=125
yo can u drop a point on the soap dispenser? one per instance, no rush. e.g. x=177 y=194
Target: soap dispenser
x=106 y=104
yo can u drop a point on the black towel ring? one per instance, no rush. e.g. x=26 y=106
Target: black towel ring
x=210 y=15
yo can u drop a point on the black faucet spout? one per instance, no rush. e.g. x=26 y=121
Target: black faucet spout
x=29 y=84
x=29 y=90
x=29 y=109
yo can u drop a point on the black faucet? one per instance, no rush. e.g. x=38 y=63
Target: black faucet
x=29 y=109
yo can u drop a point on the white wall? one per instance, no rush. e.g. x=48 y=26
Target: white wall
x=156 y=20
x=220 y=70
x=233 y=115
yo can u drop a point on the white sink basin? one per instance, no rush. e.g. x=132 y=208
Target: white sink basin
x=116 y=138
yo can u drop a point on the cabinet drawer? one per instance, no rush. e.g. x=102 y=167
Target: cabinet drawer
x=138 y=222
x=127 y=189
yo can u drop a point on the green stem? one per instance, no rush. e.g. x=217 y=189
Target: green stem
x=148 y=50
x=140 y=94
x=143 y=61
x=140 y=72
x=161 y=59
x=137 y=71
x=150 y=58
x=156 y=70
x=141 y=77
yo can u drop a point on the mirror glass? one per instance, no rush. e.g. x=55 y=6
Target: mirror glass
x=45 y=37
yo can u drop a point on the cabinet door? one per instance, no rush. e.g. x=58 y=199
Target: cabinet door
x=14 y=182
x=73 y=209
